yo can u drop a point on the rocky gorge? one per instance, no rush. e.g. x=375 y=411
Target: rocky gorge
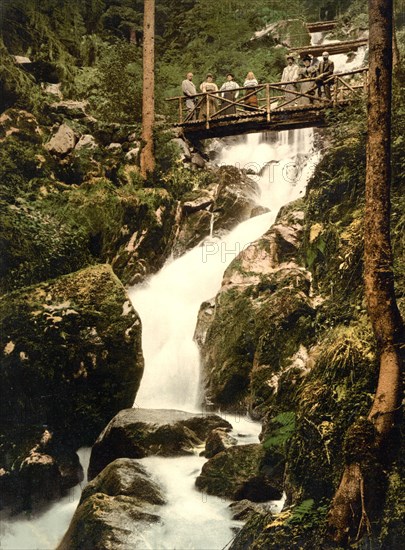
x=284 y=337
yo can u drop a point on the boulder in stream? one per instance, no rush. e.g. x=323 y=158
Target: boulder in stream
x=136 y=433
x=239 y=473
x=114 y=509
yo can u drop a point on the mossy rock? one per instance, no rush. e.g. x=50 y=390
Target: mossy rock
x=108 y=522
x=70 y=352
x=238 y=473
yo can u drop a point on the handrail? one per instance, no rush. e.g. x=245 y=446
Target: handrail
x=269 y=102
x=262 y=86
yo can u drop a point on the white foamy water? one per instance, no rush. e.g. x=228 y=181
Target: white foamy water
x=169 y=302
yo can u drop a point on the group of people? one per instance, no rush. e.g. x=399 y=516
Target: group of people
x=225 y=99
x=318 y=71
x=201 y=107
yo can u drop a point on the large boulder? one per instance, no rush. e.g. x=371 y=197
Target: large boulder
x=114 y=509
x=136 y=433
x=239 y=473
x=125 y=476
x=70 y=352
x=252 y=337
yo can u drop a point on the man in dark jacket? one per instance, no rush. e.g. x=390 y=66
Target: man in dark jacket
x=325 y=70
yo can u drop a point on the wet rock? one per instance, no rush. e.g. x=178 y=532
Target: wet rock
x=136 y=433
x=218 y=441
x=250 y=335
x=236 y=473
x=125 y=476
x=236 y=196
x=71 y=353
x=63 y=141
x=110 y=523
x=243 y=509
x=36 y=467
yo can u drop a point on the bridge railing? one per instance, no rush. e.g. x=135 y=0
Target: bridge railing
x=268 y=98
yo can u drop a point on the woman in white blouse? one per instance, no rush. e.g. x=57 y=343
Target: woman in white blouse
x=251 y=102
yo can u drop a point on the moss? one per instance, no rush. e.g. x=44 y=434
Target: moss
x=68 y=338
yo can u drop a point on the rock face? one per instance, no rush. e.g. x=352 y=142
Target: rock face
x=237 y=473
x=136 y=433
x=219 y=208
x=114 y=509
x=70 y=352
x=252 y=336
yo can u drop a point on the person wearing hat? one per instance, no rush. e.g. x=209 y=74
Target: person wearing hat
x=188 y=89
x=209 y=103
x=290 y=73
x=326 y=69
x=230 y=91
x=307 y=87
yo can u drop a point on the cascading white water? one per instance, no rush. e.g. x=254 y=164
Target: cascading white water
x=168 y=304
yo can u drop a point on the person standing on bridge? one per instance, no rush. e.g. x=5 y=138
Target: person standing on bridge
x=290 y=73
x=230 y=91
x=209 y=103
x=326 y=69
x=188 y=89
x=307 y=71
x=251 y=103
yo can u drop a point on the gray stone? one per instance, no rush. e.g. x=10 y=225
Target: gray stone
x=63 y=141
x=86 y=140
x=136 y=433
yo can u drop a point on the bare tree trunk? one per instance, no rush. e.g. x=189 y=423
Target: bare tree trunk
x=148 y=98
x=348 y=517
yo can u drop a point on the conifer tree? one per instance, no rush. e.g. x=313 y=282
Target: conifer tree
x=148 y=97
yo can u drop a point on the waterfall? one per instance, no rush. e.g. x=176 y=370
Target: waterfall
x=168 y=303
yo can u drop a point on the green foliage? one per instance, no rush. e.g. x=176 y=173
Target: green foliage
x=285 y=423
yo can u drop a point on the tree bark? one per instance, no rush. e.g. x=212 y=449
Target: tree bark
x=348 y=516
x=148 y=97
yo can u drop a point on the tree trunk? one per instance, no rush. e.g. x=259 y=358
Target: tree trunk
x=348 y=516
x=148 y=97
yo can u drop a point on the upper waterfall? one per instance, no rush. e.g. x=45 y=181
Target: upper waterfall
x=168 y=303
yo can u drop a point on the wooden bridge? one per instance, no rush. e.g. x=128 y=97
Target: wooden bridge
x=321 y=26
x=334 y=48
x=277 y=109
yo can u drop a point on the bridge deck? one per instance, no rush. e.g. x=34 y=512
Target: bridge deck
x=248 y=123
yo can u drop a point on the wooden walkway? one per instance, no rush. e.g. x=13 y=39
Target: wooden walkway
x=333 y=49
x=321 y=26
x=276 y=109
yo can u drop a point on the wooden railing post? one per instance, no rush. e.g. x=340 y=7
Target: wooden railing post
x=180 y=110
x=207 y=125
x=268 y=101
x=335 y=91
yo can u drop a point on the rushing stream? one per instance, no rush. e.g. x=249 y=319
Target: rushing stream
x=168 y=305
